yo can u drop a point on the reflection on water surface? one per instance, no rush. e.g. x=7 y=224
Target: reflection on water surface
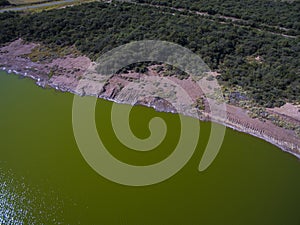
x=23 y=204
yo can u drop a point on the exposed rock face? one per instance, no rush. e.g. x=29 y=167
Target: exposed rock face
x=61 y=73
x=159 y=104
x=287 y=140
x=11 y=60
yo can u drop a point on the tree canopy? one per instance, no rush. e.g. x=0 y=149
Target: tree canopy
x=264 y=64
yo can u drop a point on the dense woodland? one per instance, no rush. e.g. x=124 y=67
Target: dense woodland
x=232 y=50
x=273 y=12
x=4 y=3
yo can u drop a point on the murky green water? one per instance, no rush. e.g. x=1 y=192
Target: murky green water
x=45 y=180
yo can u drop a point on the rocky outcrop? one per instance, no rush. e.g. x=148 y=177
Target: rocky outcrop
x=159 y=104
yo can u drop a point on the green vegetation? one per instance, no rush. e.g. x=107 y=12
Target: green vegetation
x=4 y=3
x=262 y=114
x=169 y=70
x=200 y=105
x=271 y=12
x=141 y=67
x=263 y=64
x=43 y=53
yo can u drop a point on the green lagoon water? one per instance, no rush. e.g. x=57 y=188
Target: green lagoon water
x=45 y=180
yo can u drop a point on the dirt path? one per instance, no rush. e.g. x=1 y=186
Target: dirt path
x=227 y=19
x=37 y=6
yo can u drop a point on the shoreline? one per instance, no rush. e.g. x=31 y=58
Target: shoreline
x=66 y=72
x=227 y=124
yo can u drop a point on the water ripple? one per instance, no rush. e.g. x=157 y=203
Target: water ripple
x=22 y=204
